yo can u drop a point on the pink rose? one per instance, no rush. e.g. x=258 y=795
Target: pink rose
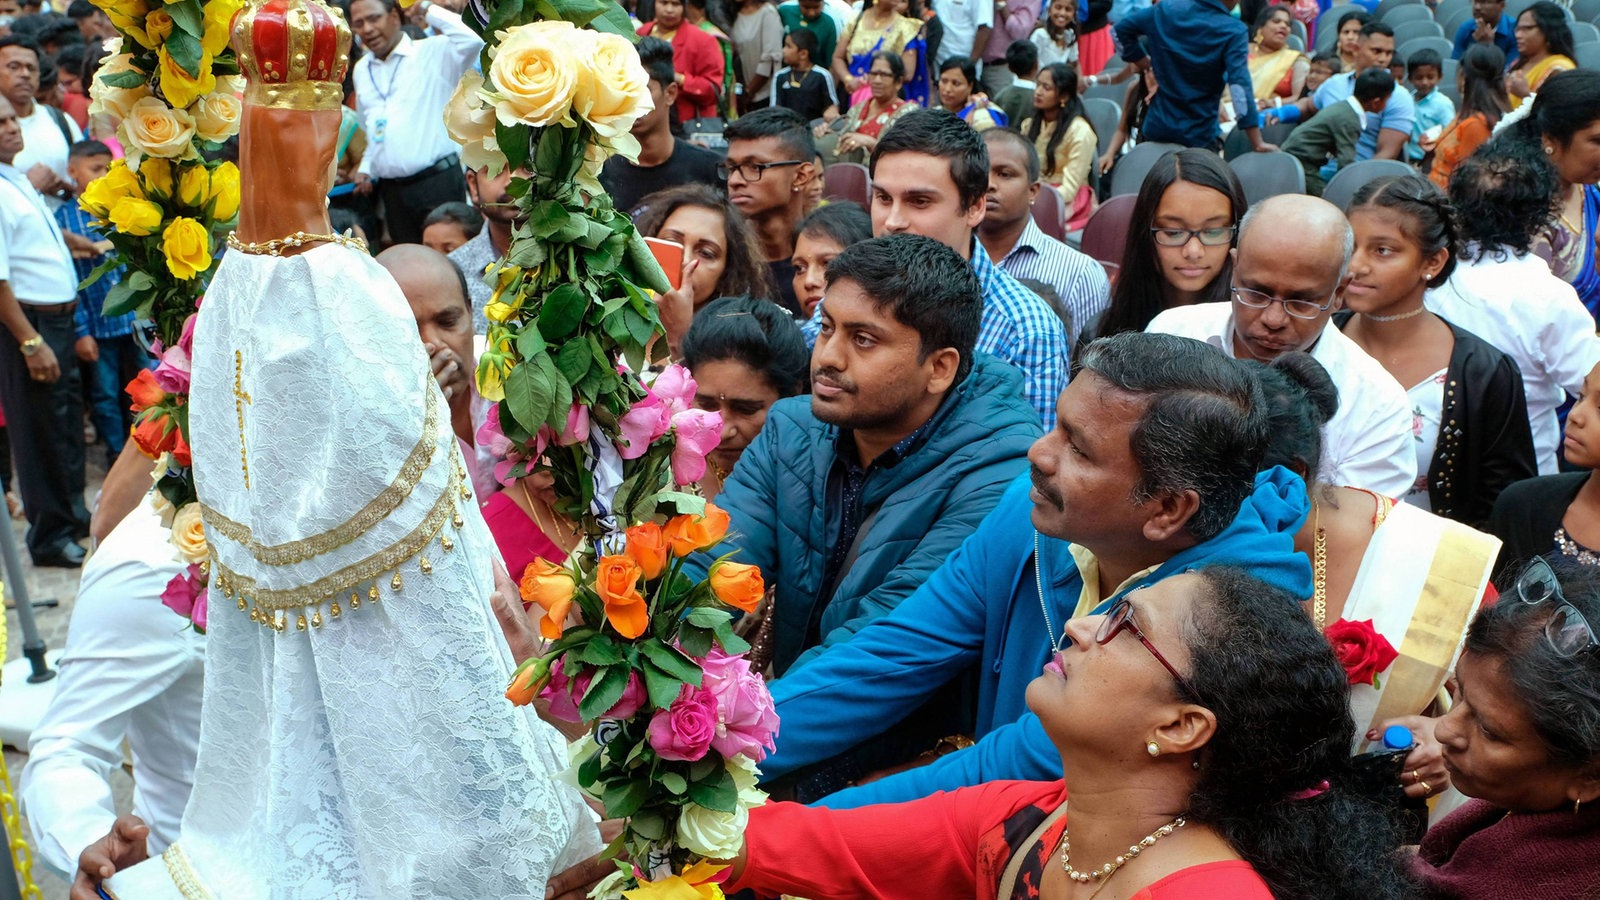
x=698 y=432
x=564 y=695
x=647 y=420
x=185 y=595
x=747 y=720
x=577 y=430
x=173 y=371
x=558 y=690
x=685 y=731
x=676 y=387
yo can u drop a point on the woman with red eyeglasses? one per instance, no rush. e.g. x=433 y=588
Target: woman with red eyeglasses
x=1204 y=739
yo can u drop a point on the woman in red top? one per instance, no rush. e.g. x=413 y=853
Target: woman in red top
x=1200 y=723
x=696 y=58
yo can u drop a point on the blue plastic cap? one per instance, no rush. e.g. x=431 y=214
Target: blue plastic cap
x=1397 y=737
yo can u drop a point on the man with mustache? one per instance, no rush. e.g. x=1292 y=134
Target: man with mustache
x=1149 y=470
x=1289 y=274
x=473 y=258
x=849 y=498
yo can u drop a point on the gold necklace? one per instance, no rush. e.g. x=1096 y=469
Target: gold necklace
x=1110 y=868
x=554 y=533
x=1399 y=316
x=276 y=246
x=1319 y=570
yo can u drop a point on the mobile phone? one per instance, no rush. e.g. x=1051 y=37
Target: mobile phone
x=670 y=255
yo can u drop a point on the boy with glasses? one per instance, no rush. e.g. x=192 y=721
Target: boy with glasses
x=768 y=170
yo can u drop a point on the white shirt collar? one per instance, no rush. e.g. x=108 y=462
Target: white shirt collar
x=1361 y=114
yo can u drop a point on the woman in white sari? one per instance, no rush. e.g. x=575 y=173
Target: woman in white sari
x=1417 y=578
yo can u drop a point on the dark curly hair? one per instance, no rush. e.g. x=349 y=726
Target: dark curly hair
x=1504 y=196
x=1281 y=700
x=1300 y=398
x=1561 y=695
x=745 y=274
x=758 y=333
x=1429 y=219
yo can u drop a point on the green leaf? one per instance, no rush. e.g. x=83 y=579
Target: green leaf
x=597 y=234
x=589 y=769
x=643 y=264
x=574 y=359
x=623 y=799
x=529 y=394
x=650 y=825
x=187 y=16
x=604 y=692
x=672 y=661
x=560 y=393
x=719 y=793
x=513 y=141
x=612 y=20
x=708 y=617
x=140 y=281
x=662 y=688
x=731 y=643
x=682 y=503
x=112 y=261
x=528 y=253
x=505 y=13
x=125 y=80
x=695 y=641
x=184 y=48
x=639 y=328
x=601 y=651
x=530 y=342
x=122 y=299
x=552 y=149
x=562 y=311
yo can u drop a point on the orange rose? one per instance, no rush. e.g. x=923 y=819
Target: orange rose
x=686 y=534
x=551 y=586
x=616 y=580
x=180 y=448
x=144 y=391
x=526 y=682
x=737 y=585
x=647 y=548
x=154 y=437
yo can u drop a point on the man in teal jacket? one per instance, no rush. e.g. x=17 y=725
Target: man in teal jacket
x=849 y=498
x=1150 y=471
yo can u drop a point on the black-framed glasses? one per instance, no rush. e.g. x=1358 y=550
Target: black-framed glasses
x=1119 y=618
x=1177 y=237
x=1568 y=632
x=1300 y=309
x=752 y=172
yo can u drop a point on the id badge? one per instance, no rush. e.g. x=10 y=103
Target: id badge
x=380 y=125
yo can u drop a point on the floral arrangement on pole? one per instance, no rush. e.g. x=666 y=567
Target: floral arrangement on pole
x=642 y=652
x=172 y=86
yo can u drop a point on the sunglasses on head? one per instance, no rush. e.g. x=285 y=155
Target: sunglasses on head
x=1568 y=632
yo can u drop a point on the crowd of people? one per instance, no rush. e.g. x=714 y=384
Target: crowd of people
x=1182 y=539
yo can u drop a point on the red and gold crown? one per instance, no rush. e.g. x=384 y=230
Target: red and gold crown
x=293 y=53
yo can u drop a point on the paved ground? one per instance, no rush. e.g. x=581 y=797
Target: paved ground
x=61 y=585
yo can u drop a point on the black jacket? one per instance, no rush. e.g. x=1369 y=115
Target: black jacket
x=1525 y=520
x=1485 y=440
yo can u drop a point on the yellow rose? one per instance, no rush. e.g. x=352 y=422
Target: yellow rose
x=156 y=129
x=103 y=193
x=534 y=73
x=156 y=176
x=613 y=90
x=157 y=27
x=188 y=534
x=470 y=122
x=224 y=192
x=125 y=14
x=218 y=25
x=134 y=216
x=216 y=116
x=114 y=101
x=181 y=88
x=494 y=364
x=193 y=186
x=187 y=246
x=498 y=311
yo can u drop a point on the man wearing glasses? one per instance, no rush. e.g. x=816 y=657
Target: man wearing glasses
x=1288 y=275
x=768 y=169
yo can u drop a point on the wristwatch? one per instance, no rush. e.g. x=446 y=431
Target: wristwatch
x=32 y=345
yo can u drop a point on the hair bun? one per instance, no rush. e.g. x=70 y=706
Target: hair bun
x=1305 y=371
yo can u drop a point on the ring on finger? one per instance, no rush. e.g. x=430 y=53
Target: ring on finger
x=1426 y=788
x=1416 y=778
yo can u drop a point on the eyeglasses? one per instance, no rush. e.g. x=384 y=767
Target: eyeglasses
x=874 y=73
x=751 y=172
x=1300 y=309
x=1119 y=618
x=1568 y=632
x=1177 y=237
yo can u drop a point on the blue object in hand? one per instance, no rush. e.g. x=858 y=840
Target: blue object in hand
x=1398 y=737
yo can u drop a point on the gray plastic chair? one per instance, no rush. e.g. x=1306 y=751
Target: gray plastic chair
x=1446 y=9
x=1105 y=91
x=1587 y=56
x=1131 y=169
x=1441 y=44
x=1104 y=115
x=1452 y=23
x=1586 y=10
x=1584 y=33
x=1342 y=187
x=1388 y=6
x=1408 y=31
x=1407 y=12
x=1268 y=175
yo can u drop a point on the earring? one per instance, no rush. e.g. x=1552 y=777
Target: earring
x=1576 y=805
x=1196 y=765
x=1549 y=151
x=1153 y=748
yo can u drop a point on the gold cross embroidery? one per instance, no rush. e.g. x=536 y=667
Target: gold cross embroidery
x=240 y=398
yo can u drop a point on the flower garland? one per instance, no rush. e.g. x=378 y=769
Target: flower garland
x=172 y=86
x=640 y=651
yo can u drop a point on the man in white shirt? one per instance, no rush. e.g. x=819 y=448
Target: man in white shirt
x=1289 y=269
x=132 y=670
x=967 y=24
x=40 y=389
x=402 y=86
x=48 y=133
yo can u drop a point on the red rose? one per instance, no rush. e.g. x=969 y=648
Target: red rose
x=1361 y=650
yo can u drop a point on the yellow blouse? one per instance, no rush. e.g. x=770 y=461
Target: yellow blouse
x=1069 y=170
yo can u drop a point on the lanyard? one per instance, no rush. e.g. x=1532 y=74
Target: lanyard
x=394 y=74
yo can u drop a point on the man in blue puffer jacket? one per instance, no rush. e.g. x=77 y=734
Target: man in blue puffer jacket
x=1149 y=472
x=848 y=499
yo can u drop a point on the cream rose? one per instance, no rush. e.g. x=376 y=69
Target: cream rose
x=163 y=507
x=188 y=535
x=470 y=122
x=114 y=101
x=216 y=116
x=534 y=73
x=712 y=834
x=154 y=128
x=613 y=89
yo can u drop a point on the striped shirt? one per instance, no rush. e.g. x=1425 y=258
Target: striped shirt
x=87 y=318
x=1078 y=279
x=1018 y=327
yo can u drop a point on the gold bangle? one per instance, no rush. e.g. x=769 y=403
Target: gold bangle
x=299 y=238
